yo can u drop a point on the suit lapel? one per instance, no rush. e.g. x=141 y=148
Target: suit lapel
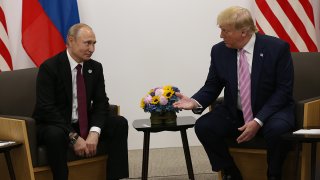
x=257 y=62
x=87 y=75
x=66 y=75
x=233 y=73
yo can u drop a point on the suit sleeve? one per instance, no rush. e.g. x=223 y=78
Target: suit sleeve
x=99 y=110
x=212 y=87
x=47 y=111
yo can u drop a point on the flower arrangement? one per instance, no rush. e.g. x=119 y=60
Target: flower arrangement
x=160 y=99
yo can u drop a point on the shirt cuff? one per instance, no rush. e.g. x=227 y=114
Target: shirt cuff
x=96 y=129
x=258 y=121
x=199 y=105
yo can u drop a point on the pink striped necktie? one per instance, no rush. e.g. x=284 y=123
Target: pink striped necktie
x=245 y=87
x=82 y=104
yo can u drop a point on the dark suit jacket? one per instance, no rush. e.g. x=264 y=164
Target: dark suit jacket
x=54 y=93
x=271 y=78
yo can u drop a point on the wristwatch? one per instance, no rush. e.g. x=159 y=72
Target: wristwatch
x=74 y=139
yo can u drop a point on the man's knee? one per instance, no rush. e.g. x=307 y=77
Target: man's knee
x=54 y=136
x=121 y=122
x=201 y=127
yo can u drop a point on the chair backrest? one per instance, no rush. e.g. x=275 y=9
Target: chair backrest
x=306 y=75
x=18 y=92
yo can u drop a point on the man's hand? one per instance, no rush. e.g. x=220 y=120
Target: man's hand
x=80 y=147
x=185 y=102
x=92 y=143
x=249 y=131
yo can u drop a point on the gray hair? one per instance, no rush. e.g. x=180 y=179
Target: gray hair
x=74 y=30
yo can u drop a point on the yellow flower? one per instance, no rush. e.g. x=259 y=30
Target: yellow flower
x=155 y=100
x=142 y=104
x=167 y=88
x=168 y=93
x=151 y=91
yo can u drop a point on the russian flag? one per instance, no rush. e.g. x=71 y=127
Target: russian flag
x=45 y=24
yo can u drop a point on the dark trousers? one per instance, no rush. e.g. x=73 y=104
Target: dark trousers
x=114 y=135
x=213 y=127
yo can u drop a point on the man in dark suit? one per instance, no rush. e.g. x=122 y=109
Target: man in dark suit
x=270 y=112
x=63 y=106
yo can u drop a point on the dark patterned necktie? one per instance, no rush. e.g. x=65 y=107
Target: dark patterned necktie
x=82 y=104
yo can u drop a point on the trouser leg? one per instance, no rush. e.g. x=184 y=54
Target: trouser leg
x=277 y=148
x=211 y=129
x=56 y=142
x=115 y=134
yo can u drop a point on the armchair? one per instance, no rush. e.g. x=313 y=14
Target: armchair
x=17 y=94
x=250 y=157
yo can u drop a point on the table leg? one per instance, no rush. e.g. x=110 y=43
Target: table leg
x=313 y=159
x=187 y=153
x=9 y=164
x=297 y=159
x=145 y=160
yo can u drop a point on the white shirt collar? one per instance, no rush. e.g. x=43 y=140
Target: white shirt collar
x=73 y=63
x=250 y=45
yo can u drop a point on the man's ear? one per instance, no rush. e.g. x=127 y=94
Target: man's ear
x=70 y=39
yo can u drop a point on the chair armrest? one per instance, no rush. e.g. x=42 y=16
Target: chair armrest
x=114 y=110
x=31 y=132
x=16 y=130
x=219 y=100
x=307 y=112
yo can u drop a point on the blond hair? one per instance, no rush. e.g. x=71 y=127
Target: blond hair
x=238 y=17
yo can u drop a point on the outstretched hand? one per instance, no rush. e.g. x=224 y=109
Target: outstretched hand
x=184 y=102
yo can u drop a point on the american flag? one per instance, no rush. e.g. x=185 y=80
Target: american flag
x=290 y=20
x=5 y=56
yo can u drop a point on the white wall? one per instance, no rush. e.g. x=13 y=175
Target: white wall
x=147 y=43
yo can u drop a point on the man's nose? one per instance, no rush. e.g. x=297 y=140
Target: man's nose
x=91 y=48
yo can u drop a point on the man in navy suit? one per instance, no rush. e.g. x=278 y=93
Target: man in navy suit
x=57 y=110
x=272 y=107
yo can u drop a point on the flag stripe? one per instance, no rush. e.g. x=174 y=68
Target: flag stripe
x=4 y=52
x=62 y=14
x=39 y=31
x=306 y=5
x=289 y=27
x=4 y=35
x=3 y=19
x=3 y=65
x=259 y=28
x=298 y=25
x=5 y=56
x=263 y=24
x=276 y=25
x=307 y=22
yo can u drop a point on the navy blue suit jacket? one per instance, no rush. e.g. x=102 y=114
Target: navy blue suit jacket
x=271 y=79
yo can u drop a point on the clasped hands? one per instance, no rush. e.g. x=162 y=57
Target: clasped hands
x=88 y=147
x=249 y=130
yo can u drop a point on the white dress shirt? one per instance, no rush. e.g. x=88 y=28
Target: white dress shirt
x=249 y=47
x=74 y=118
